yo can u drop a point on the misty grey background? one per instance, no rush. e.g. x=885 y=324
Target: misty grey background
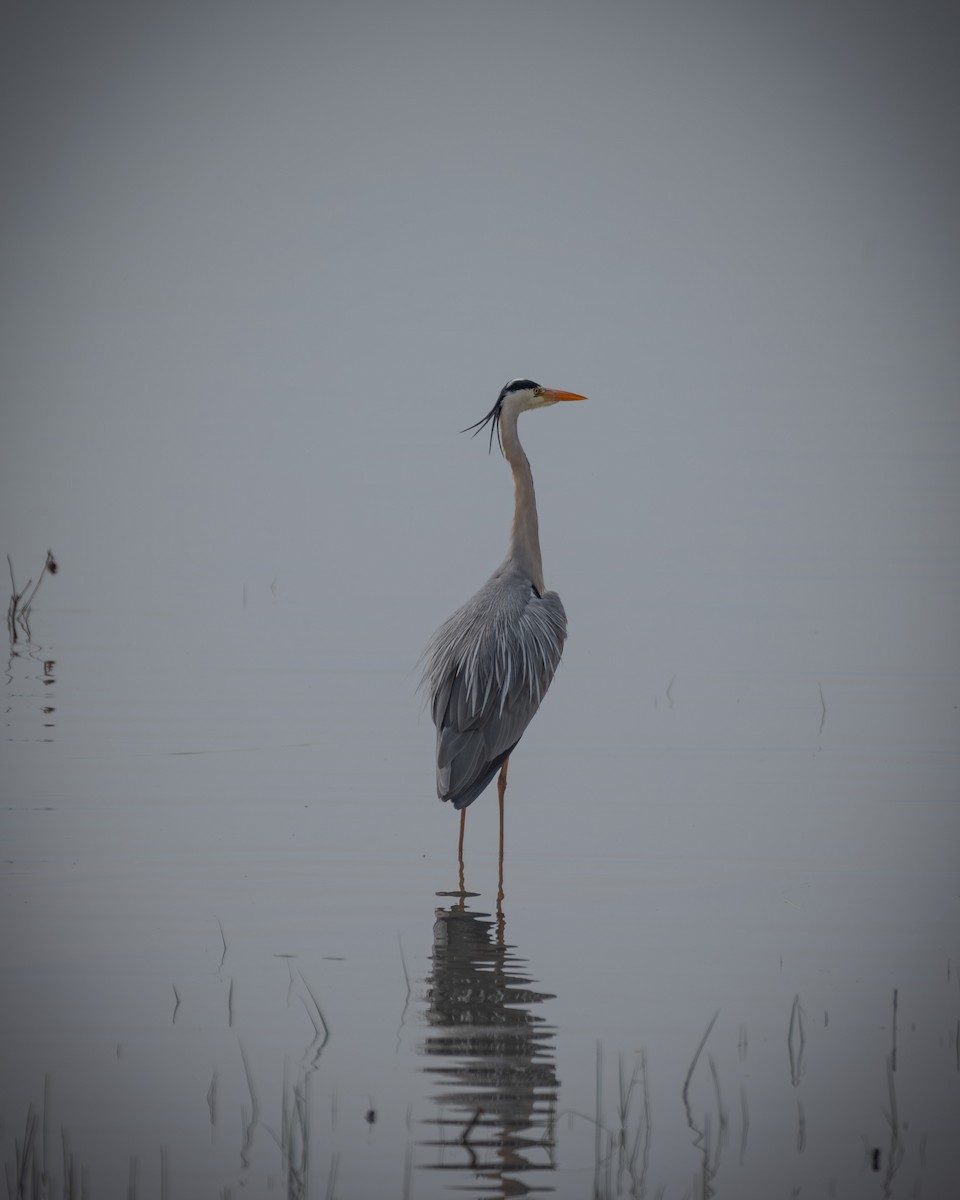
x=260 y=265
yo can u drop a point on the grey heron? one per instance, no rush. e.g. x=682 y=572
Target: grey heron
x=489 y=665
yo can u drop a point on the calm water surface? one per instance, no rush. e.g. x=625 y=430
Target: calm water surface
x=726 y=962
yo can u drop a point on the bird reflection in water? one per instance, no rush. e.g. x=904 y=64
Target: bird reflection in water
x=497 y=1083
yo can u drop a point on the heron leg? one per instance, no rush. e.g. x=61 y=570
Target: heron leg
x=462 y=892
x=463 y=825
x=501 y=788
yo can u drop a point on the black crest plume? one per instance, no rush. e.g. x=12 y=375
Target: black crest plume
x=493 y=416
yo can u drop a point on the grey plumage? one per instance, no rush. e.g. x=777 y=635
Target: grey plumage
x=490 y=664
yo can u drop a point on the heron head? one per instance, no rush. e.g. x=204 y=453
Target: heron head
x=521 y=394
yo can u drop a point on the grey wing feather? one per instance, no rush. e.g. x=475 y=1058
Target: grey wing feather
x=488 y=667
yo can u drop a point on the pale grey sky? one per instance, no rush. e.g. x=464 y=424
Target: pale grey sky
x=260 y=263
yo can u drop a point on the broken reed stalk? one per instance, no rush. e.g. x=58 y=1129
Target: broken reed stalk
x=18 y=610
x=50 y=564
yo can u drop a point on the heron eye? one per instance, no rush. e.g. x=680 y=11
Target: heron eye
x=538 y=391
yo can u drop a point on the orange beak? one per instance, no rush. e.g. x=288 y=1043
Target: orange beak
x=551 y=395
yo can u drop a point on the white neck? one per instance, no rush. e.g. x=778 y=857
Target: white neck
x=525 y=535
